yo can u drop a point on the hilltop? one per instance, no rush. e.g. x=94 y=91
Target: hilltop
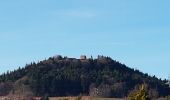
x=63 y=76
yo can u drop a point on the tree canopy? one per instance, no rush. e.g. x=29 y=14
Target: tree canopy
x=64 y=76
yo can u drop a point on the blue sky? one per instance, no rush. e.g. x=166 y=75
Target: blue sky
x=134 y=32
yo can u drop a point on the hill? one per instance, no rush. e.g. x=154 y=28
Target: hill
x=63 y=76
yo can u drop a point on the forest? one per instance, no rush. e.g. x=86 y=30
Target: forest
x=63 y=76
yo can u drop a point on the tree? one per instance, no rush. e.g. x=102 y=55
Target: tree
x=140 y=94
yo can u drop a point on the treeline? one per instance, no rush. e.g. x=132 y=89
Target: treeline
x=62 y=76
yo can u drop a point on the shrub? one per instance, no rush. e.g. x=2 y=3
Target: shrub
x=168 y=97
x=140 y=94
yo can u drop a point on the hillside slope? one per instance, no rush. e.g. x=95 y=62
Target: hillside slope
x=62 y=76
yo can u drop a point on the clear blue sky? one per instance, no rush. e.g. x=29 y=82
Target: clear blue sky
x=134 y=32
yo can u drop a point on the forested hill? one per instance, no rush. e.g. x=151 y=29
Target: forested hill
x=63 y=76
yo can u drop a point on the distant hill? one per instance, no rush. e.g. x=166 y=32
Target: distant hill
x=63 y=76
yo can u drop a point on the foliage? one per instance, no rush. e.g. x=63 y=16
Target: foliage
x=153 y=94
x=168 y=97
x=140 y=94
x=69 y=76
